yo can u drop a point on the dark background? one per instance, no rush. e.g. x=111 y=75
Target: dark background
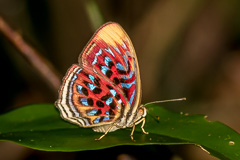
x=185 y=49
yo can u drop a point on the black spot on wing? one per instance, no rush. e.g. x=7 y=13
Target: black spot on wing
x=117 y=96
x=85 y=91
x=97 y=90
x=109 y=73
x=111 y=112
x=96 y=81
x=101 y=119
x=109 y=87
x=90 y=101
x=110 y=64
x=121 y=71
x=123 y=80
x=100 y=104
x=104 y=98
x=86 y=74
x=82 y=90
x=98 y=112
x=112 y=105
x=125 y=91
x=86 y=83
x=116 y=80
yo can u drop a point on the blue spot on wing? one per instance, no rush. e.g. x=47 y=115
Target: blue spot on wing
x=78 y=71
x=132 y=97
x=97 y=54
x=106 y=118
x=107 y=60
x=126 y=61
x=116 y=48
x=124 y=45
x=127 y=85
x=129 y=77
x=120 y=102
x=84 y=101
x=92 y=112
x=96 y=120
x=91 y=86
x=79 y=88
x=75 y=76
x=91 y=77
x=109 y=100
x=104 y=69
x=120 y=67
x=95 y=60
x=113 y=92
x=110 y=51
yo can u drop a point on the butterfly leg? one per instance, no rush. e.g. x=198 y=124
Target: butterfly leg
x=131 y=135
x=143 y=123
x=105 y=132
x=136 y=123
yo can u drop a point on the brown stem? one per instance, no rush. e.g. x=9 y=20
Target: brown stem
x=42 y=65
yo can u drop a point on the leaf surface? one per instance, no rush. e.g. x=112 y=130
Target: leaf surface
x=40 y=127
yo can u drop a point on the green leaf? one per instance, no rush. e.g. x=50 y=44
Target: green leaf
x=40 y=127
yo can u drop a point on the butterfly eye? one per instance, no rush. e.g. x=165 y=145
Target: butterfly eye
x=141 y=111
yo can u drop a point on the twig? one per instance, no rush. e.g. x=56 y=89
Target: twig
x=42 y=65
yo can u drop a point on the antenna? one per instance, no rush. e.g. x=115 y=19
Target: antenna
x=163 y=101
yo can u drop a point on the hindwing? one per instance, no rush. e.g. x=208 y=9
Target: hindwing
x=88 y=100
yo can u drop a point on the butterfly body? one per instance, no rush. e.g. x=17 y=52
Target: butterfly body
x=103 y=91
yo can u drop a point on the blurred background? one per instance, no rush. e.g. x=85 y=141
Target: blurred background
x=185 y=49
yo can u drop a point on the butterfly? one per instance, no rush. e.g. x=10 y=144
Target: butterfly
x=103 y=91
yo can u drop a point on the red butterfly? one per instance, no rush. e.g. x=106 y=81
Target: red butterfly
x=103 y=91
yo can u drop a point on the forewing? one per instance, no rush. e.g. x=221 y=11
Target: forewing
x=110 y=53
x=87 y=99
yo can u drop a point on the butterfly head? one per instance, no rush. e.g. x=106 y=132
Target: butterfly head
x=141 y=113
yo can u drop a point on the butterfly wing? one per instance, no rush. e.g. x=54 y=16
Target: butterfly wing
x=111 y=54
x=105 y=86
x=88 y=100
